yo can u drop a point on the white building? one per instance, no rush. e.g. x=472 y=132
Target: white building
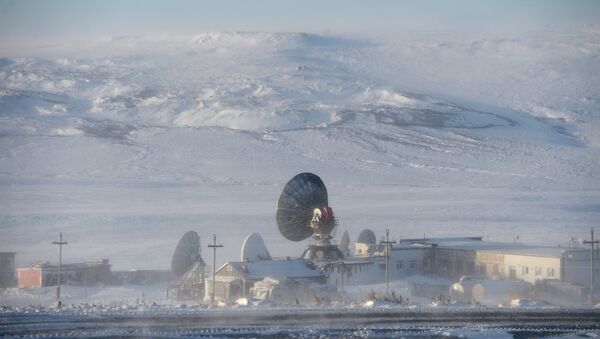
x=234 y=279
x=565 y=268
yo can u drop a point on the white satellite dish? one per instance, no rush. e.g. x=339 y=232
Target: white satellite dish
x=254 y=248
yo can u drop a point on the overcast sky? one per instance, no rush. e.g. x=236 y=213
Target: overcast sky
x=39 y=21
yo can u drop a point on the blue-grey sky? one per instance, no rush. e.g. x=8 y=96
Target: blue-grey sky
x=45 y=20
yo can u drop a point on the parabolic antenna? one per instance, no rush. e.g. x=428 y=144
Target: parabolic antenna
x=254 y=248
x=367 y=237
x=344 y=243
x=186 y=253
x=302 y=208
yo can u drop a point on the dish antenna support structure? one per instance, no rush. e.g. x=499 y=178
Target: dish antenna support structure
x=188 y=268
x=303 y=211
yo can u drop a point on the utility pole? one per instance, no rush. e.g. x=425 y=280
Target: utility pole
x=592 y=243
x=387 y=243
x=60 y=244
x=214 y=246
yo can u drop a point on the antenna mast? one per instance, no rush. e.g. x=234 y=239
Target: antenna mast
x=214 y=246
x=60 y=244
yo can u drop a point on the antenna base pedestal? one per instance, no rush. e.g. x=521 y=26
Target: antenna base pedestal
x=321 y=249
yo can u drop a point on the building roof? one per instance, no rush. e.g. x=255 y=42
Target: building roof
x=257 y=270
x=476 y=244
x=66 y=267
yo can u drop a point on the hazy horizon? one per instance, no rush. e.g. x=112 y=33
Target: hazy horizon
x=35 y=23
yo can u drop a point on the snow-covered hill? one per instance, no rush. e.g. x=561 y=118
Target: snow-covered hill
x=125 y=143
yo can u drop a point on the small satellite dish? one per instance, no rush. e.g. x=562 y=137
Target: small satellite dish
x=254 y=248
x=186 y=254
x=303 y=209
x=367 y=237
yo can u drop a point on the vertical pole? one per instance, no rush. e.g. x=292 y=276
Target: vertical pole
x=60 y=244
x=214 y=246
x=212 y=295
x=387 y=243
x=387 y=262
x=59 y=267
x=592 y=242
x=343 y=274
x=592 y=268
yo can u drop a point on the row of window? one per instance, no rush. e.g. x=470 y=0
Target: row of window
x=550 y=272
x=400 y=264
x=538 y=271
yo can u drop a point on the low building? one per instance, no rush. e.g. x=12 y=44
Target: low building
x=234 y=279
x=550 y=267
x=86 y=274
x=471 y=256
x=7 y=269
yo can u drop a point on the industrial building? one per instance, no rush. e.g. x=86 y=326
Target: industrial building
x=86 y=274
x=471 y=256
x=7 y=269
x=556 y=274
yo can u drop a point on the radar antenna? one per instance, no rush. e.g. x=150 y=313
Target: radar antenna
x=188 y=268
x=303 y=211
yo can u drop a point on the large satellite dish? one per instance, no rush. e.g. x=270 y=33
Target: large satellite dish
x=254 y=248
x=186 y=254
x=303 y=209
x=367 y=237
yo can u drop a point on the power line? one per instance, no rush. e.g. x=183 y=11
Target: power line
x=214 y=246
x=387 y=243
x=60 y=244
x=592 y=242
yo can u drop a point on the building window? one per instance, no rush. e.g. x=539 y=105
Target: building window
x=382 y=267
x=538 y=271
x=496 y=269
x=551 y=272
x=399 y=265
x=525 y=270
x=512 y=272
x=413 y=263
x=483 y=269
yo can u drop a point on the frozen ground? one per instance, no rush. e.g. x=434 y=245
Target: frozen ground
x=125 y=143
x=295 y=322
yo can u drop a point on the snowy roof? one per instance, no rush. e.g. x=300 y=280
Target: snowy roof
x=467 y=244
x=297 y=268
x=66 y=267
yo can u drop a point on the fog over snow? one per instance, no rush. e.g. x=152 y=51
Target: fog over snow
x=125 y=143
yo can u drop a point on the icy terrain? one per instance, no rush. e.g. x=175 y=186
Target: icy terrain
x=125 y=143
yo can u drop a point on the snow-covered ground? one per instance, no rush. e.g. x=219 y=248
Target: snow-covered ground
x=125 y=143
x=120 y=295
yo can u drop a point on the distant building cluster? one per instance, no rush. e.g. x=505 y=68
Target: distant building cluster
x=446 y=267
x=85 y=274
